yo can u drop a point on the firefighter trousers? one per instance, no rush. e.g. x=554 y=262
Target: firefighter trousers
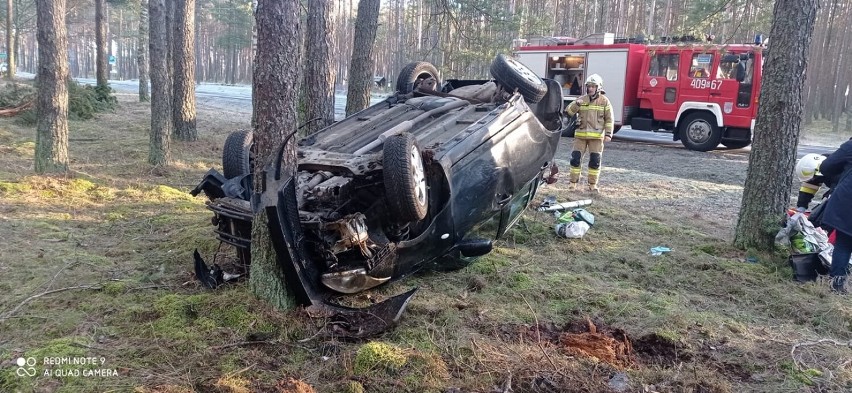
x=595 y=149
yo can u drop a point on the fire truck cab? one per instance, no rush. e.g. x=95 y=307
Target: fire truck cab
x=704 y=94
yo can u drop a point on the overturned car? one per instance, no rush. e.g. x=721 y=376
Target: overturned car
x=400 y=186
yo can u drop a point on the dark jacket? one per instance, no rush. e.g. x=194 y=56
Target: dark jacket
x=838 y=212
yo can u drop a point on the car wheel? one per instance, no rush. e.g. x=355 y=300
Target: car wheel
x=512 y=75
x=405 y=178
x=414 y=73
x=569 y=126
x=699 y=132
x=735 y=144
x=237 y=156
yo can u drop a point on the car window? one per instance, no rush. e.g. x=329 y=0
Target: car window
x=701 y=63
x=664 y=65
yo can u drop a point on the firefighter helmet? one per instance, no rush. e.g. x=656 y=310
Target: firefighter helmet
x=808 y=166
x=596 y=80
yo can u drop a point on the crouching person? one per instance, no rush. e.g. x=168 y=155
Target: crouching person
x=838 y=212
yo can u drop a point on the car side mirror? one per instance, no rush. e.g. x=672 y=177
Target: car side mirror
x=474 y=247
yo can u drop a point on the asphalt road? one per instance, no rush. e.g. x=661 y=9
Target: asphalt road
x=238 y=98
x=665 y=139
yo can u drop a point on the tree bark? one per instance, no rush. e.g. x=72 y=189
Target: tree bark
x=361 y=67
x=51 y=152
x=318 y=85
x=101 y=43
x=276 y=78
x=161 y=86
x=142 y=52
x=184 y=76
x=10 y=42
x=767 y=187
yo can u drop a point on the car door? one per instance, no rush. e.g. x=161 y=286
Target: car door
x=697 y=85
x=660 y=84
x=531 y=150
x=480 y=181
x=732 y=89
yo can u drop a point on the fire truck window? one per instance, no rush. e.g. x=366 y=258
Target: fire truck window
x=664 y=65
x=700 y=65
x=727 y=70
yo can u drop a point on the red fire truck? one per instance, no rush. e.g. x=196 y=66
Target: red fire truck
x=705 y=94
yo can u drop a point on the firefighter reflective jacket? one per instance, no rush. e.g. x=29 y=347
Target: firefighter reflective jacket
x=595 y=117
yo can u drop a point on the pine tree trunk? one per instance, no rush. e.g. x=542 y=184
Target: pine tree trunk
x=10 y=43
x=142 y=52
x=318 y=86
x=101 y=43
x=767 y=187
x=276 y=84
x=361 y=67
x=184 y=77
x=161 y=86
x=51 y=151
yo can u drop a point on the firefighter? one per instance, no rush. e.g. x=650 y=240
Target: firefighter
x=595 y=128
x=812 y=180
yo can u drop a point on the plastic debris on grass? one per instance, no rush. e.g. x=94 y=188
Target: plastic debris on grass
x=660 y=250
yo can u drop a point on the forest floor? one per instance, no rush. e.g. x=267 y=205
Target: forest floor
x=99 y=264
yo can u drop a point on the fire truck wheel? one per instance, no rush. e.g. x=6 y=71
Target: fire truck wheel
x=512 y=75
x=237 y=157
x=413 y=74
x=699 y=132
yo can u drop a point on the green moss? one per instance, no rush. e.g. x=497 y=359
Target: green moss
x=114 y=288
x=114 y=216
x=80 y=185
x=520 y=280
x=806 y=377
x=669 y=335
x=166 y=193
x=659 y=228
x=26 y=149
x=355 y=387
x=184 y=317
x=13 y=188
x=377 y=355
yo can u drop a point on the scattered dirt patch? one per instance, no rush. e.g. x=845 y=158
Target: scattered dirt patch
x=293 y=386
x=653 y=349
x=595 y=339
x=609 y=345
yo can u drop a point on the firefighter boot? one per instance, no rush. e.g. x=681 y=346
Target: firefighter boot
x=838 y=285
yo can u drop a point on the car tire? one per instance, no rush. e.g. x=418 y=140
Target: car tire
x=569 y=127
x=236 y=155
x=412 y=73
x=404 y=178
x=699 y=132
x=513 y=75
x=735 y=144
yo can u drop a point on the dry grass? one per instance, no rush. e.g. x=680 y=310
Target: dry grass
x=699 y=319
